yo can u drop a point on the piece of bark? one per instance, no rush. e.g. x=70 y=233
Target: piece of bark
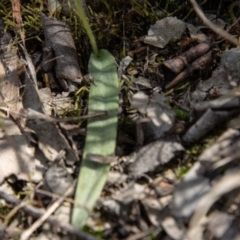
x=197 y=66
x=177 y=64
x=58 y=37
x=209 y=120
x=223 y=102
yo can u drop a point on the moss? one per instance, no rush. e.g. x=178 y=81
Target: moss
x=181 y=114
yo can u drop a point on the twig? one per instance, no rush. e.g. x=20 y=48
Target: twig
x=30 y=64
x=48 y=61
x=28 y=232
x=141 y=235
x=35 y=212
x=212 y=26
x=53 y=195
x=14 y=211
x=32 y=114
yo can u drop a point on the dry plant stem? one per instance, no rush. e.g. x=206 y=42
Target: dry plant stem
x=141 y=235
x=32 y=114
x=212 y=26
x=14 y=211
x=27 y=233
x=46 y=62
x=17 y=16
x=230 y=10
x=234 y=24
x=30 y=65
x=35 y=212
x=53 y=195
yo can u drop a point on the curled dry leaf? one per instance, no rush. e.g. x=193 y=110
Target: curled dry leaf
x=59 y=38
x=124 y=64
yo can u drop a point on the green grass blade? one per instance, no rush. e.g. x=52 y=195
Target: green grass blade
x=101 y=135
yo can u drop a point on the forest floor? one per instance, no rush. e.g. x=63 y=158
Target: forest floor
x=175 y=173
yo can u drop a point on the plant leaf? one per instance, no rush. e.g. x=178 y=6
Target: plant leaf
x=101 y=135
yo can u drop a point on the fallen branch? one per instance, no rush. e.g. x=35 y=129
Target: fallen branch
x=32 y=114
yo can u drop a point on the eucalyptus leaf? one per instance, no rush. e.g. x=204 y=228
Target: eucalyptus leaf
x=101 y=135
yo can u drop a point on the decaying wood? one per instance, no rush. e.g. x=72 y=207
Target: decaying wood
x=198 y=66
x=177 y=64
x=206 y=123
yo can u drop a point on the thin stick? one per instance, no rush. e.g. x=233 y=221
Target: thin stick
x=212 y=26
x=36 y=212
x=48 y=61
x=28 y=232
x=32 y=114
